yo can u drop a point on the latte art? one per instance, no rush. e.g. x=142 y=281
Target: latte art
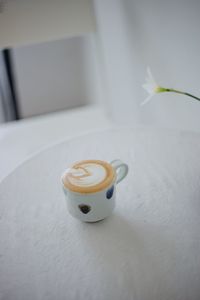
x=88 y=176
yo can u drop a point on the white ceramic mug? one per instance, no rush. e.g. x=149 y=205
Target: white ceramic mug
x=95 y=206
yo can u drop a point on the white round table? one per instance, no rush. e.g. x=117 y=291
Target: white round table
x=149 y=249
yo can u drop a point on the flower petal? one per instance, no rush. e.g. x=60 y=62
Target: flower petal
x=148 y=87
x=150 y=76
x=147 y=100
x=150 y=84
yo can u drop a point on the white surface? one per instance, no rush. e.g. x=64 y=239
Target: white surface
x=24 y=22
x=149 y=248
x=19 y=140
x=56 y=75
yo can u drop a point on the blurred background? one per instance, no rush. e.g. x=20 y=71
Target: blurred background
x=71 y=66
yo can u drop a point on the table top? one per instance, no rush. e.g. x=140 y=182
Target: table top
x=148 y=249
x=23 y=138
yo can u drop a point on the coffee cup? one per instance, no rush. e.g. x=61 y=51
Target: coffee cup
x=90 y=188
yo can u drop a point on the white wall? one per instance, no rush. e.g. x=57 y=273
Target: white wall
x=23 y=22
x=56 y=75
x=162 y=34
x=115 y=58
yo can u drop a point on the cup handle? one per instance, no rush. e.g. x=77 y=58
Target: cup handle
x=120 y=168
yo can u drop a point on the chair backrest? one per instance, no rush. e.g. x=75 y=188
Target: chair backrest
x=51 y=53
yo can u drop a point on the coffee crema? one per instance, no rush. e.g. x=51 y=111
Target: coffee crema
x=89 y=176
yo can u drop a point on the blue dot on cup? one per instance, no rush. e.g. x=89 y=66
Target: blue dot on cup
x=109 y=192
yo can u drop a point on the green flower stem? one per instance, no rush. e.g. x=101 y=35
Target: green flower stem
x=180 y=92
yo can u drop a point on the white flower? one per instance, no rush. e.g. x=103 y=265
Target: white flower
x=153 y=88
x=150 y=86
